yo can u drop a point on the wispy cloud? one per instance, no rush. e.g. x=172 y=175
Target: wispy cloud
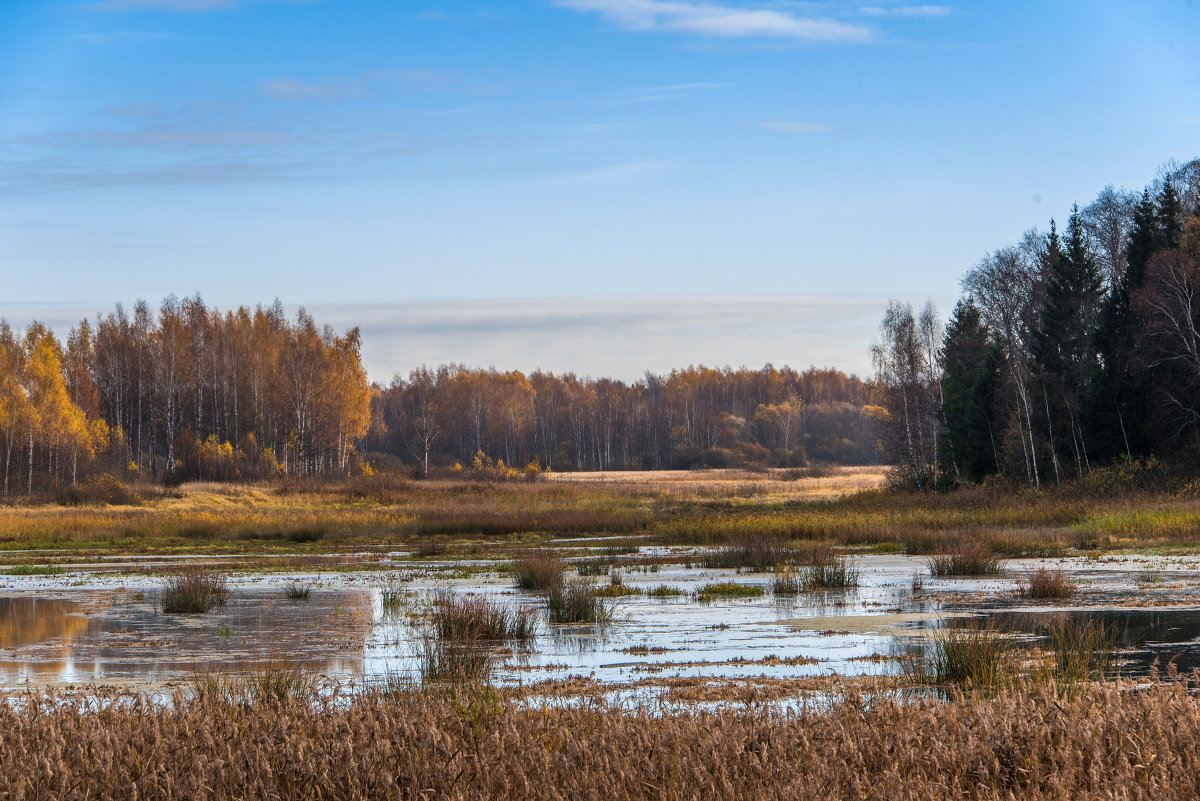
x=654 y=94
x=791 y=127
x=417 y=79
x=177 y=6
x=121 y=37
x=620 y=336
x=722 y=21
x=905 y=11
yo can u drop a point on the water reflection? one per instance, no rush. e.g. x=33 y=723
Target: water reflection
x=124 y=638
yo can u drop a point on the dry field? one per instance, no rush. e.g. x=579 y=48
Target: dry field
x=841 y=506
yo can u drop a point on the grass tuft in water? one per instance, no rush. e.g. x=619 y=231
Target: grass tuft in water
x=538 y=571
x=830 y=573
x=968 y=560
x=297 y=590
x=1046 y=583
x=728 y=589
x=473 y=618
x=576 y=602
x=194 y=592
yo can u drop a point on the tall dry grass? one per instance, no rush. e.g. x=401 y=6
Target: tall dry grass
x=1106 y=742
x=194 y=592
x=473 y=618
x=538 y=571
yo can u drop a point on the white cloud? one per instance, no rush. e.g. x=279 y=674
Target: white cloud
x=617 y=337
x=723 y=21
x=784 y=126
x=905 y=11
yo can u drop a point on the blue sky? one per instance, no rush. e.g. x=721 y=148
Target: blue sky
x=515 y=155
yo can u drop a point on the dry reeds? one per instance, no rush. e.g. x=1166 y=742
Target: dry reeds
x=538 y=571
x=1032 y=744
x=832 y=572
x=455 y=662
x=194 y=592
x=474 y=618
x=757 y=552
x=979 y=656
x=297 y=590
x=967 y=560
x=1047 y=583
x=786 y=583
x=576 y=602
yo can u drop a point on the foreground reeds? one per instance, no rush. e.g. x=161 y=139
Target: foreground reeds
x=1107 y=742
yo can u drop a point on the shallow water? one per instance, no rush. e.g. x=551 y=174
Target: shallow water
x=91 y=626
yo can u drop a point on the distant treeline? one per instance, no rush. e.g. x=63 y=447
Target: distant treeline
x=695 y=417
x=1067 y=351
x=189 y=392
x=186 y=393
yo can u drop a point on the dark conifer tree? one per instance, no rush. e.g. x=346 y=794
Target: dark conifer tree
x=1118 y=411
x=1064 y=356
x=971 y=386
x=1169 y=214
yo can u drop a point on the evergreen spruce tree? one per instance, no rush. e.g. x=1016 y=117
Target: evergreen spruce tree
x=1063 y=350
x=1118 y=410
x=971 y=385
x=1169 y=216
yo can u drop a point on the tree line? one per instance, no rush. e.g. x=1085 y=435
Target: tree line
x=1067 y=350
x=188 y=392
x=693 y=417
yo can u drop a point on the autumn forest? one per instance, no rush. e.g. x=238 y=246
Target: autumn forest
x=189 y=392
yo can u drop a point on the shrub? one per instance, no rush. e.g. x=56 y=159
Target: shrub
x=194 y=592
x=100 y=489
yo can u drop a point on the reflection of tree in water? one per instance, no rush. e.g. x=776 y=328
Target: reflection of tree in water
x=100 y=637
x=29 y=621
x=1147 y=634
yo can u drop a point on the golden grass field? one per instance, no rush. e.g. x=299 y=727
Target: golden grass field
x=851 y=507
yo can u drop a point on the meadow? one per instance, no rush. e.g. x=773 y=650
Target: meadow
x=623 y=635
x=846 y=507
